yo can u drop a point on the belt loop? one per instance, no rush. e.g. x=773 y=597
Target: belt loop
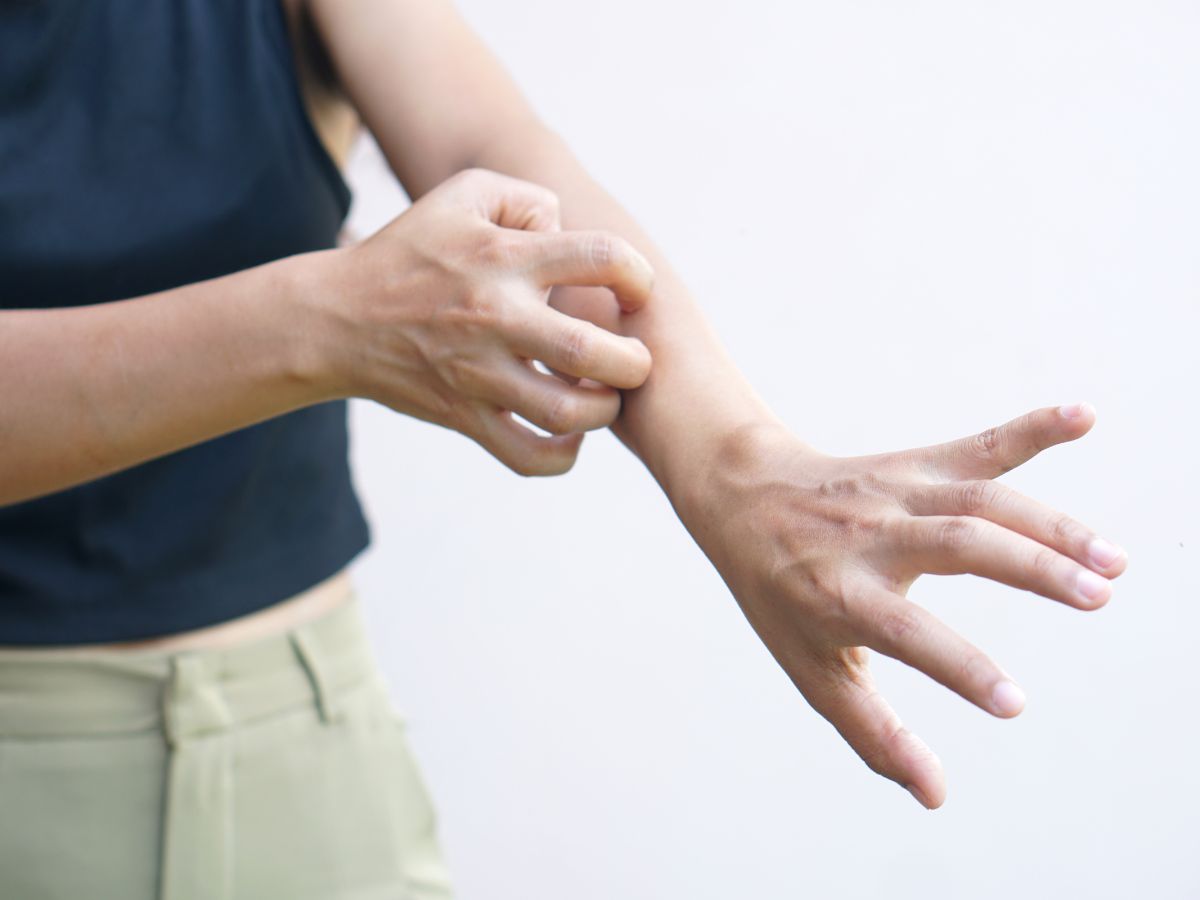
x=196 y=858
x=316 y=666
x=193 y=703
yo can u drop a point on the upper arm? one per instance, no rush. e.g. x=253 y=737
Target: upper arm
x=426 y=86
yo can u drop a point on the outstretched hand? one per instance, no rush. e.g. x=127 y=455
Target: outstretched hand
x=820 y=551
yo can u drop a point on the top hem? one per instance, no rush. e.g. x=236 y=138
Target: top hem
x=209 y=601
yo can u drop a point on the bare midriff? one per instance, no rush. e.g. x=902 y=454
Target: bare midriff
x=283 y=616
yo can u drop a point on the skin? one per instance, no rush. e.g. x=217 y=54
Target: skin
x=440 y=315
x=436 y=316
x=818 y=551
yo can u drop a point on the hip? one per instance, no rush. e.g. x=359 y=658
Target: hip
x=272 y=766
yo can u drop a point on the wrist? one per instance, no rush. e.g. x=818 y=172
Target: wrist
x=742 y=455
x=695 y=401
x=691 y=436
x=315 y=323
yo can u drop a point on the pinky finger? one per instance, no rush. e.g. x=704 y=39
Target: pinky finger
x=524 y=451
x=874 y=731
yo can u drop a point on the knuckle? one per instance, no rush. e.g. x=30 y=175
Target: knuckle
x=857 y=485
x=977 y=496
x=461 y=374
x=602 y=251
x=875 y=758
x=576 y=349
x=897 y=626
x=498 y=248
x=838 y=596
x=524 y=465
x=863 y=527
x=560 y=414
x=1043 y=564
x=554 y=459
x=956 y=534
x=974 y=668
x=563 y=463
x=479 y=308
x=847 y=615
x=526 y=462
x=1063 y=531
x=474 y=175
x=512 y=460
x=987 y=442
x=544 y=458
x=468 y=181
x=875 y=751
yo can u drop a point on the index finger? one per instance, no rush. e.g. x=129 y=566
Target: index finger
x=595 y=259
x=583 y=350
x=994 y=451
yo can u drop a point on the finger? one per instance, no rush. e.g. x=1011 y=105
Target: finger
x=550 y=403
x=523 y=451
x=958 y=545
x=550 y=370
x=1001 y=504
x=848 y=699
x=505 y=201
x=593 y=258
x=997 y=450
x=903 y=630
x=581 y=349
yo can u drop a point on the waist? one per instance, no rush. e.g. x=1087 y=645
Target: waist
x=203 y=536
x=303 y=607
x=49 y=692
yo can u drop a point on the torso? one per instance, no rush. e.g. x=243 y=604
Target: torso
x=336 y=124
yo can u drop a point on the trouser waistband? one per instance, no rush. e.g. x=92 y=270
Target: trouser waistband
x=186 y=693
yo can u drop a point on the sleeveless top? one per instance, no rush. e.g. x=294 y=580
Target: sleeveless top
x=147 y=144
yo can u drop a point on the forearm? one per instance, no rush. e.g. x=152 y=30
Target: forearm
x=437 y=100
x=94 y=389
x=695 y=396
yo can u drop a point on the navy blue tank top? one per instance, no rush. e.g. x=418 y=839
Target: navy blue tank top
x=146 y=144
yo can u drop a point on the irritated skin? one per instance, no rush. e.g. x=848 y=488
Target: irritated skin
x=439 y=316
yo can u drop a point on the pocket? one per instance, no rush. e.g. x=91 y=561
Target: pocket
x=415 y=819
x=316 y=805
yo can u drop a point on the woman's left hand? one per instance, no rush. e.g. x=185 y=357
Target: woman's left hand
x=819 y=552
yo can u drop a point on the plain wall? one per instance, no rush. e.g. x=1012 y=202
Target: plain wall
x=909 y=222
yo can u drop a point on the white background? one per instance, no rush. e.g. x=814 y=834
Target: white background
x=909 y=221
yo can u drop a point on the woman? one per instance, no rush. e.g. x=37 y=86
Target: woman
x=189 y=705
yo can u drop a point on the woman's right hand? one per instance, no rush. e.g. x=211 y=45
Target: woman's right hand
x=441 y=313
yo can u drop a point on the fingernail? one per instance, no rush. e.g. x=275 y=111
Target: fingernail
x=1103 y=553
x=1072 y=411
x=1007 y=698
x=917 y=795
x=1092 y=587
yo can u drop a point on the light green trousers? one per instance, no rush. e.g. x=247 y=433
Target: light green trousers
x=275 y=769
